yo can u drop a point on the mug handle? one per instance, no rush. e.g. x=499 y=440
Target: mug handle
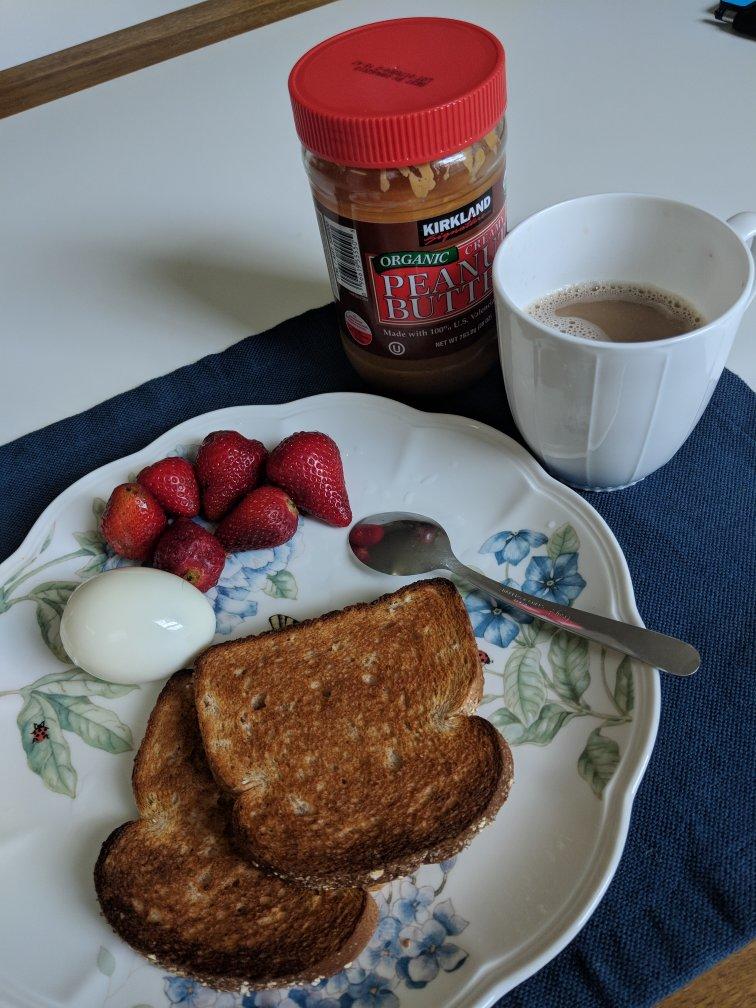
x=744 y=226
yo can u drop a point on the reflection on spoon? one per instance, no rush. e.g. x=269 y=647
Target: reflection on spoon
x=403 y=544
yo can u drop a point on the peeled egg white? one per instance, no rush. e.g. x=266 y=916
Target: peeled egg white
x=136 y=624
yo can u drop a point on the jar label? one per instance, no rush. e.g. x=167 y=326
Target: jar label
x=421 y=288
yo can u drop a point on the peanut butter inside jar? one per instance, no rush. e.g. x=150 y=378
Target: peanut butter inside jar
x=404 y=150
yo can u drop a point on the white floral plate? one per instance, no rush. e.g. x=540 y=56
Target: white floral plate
x=581 y=721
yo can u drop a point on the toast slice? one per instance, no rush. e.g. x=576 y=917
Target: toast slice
x=346 y=741
x=171 y=885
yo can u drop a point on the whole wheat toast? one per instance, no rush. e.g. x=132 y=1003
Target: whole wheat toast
x=346 y=741
x=171 y=885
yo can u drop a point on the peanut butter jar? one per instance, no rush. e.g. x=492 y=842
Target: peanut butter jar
x=403 y=132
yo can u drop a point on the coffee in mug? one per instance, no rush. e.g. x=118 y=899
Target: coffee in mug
x=617 y=312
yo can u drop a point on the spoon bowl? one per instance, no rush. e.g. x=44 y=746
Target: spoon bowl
x=402 y=544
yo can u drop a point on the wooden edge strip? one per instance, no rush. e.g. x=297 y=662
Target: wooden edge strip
x=82 y=66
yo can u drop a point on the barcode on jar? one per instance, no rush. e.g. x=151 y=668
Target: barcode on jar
x=344 y=257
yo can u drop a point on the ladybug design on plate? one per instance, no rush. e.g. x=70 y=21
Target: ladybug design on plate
x=40 y=732
x=484 y=658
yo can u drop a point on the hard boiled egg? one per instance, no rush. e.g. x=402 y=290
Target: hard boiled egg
x=135 y=624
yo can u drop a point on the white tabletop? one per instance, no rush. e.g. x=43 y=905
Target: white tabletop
x=164 y=215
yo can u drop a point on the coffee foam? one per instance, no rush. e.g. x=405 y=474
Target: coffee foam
x=544 y=309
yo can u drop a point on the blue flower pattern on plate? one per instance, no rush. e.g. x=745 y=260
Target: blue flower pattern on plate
x=427 y=952
x=297 y=997
x=556 y=580
x=384 y=950
x=301 y=998
x=512 y=547
x=245 y=573
x=413 y=902
x=371 y=991
x=493 y=621
x=190 y=994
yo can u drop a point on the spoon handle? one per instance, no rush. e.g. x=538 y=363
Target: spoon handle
x=655 y=649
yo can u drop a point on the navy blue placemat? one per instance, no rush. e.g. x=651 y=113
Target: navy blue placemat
x=683 y=896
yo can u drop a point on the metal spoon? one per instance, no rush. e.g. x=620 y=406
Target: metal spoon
x=402 y=544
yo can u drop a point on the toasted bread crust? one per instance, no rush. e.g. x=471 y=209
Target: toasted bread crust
x=294 y=730
x=171 y=885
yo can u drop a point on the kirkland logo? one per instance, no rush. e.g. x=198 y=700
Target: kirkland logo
x=448 y=226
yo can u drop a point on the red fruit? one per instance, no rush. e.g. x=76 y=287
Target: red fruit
x=266 y=517
x=190 y=552
x=227 y=466
x=308 y=467
x=132 y=521
x=366 y=535
x=173 y=485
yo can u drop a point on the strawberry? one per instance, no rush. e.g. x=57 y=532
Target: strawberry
x=227 y=466
x=173 y=485
x=308 y=467
x=191 y=552
x=132 y=521
x=266 y=517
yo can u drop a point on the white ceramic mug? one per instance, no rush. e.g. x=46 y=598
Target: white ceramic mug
x=603 y=415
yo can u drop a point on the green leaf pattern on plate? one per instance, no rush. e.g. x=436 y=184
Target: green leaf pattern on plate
x=281 y=585
x=508 y=724
x=543 y=685
x=61 y=702
x=598 y=761
x=51 y=598
x=551 y=718
x=50 y=757
x=624 y=687
x=524 y=688
x=106 y=962
x=97 y=726
x=77 y=682
x=48 y=538
x=98 y=508
x=529 y=633
x=93 y=547
x=568 y=656
x=564 y=540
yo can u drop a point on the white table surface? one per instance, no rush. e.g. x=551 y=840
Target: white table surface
x=164 y=215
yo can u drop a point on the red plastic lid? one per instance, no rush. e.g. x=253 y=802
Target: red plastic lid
x=398 y=93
